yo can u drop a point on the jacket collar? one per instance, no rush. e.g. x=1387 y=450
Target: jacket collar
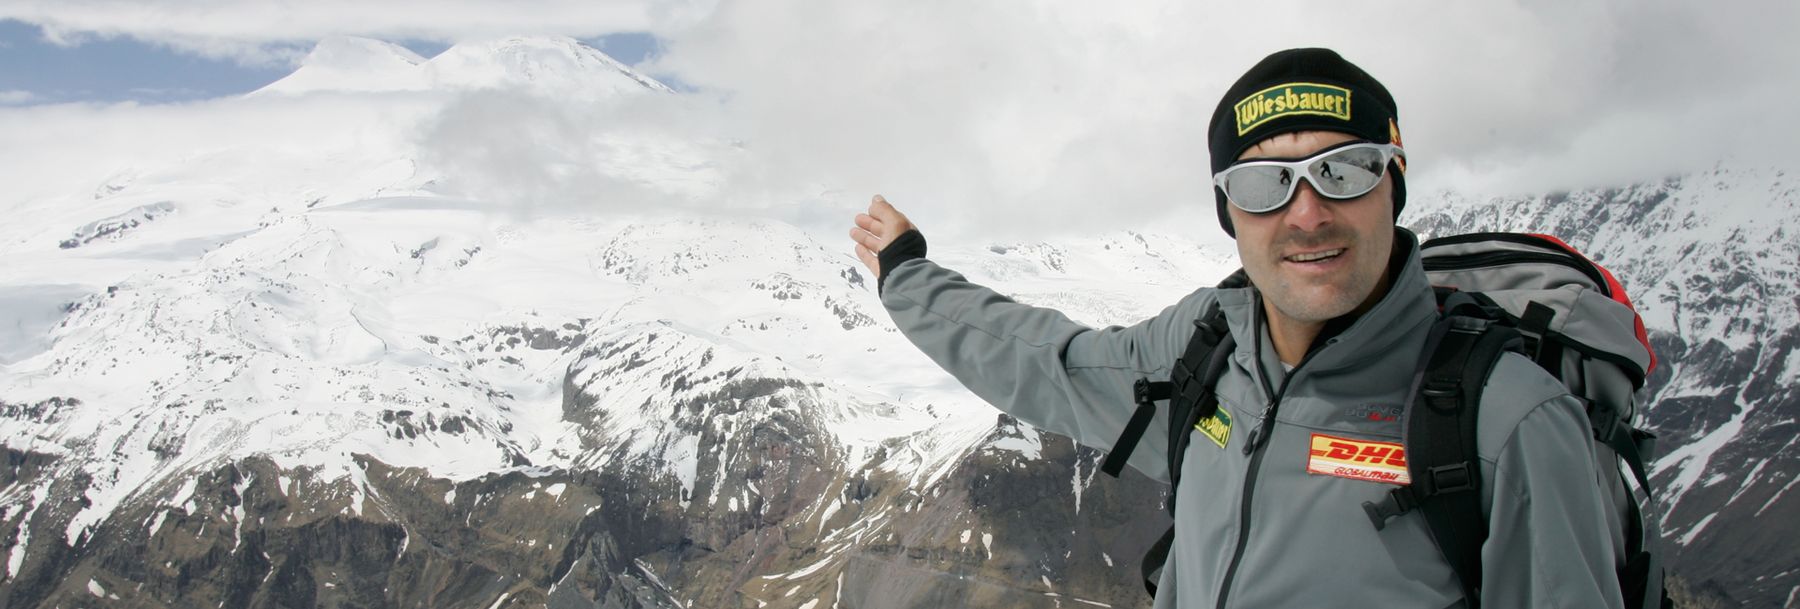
x=1407 y=308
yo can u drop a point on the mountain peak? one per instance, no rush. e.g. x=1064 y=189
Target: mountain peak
x=554 y=65
x=354 y=52
x=349 y=63
x=558 y=63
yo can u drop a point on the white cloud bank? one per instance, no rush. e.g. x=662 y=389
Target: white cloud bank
x=261 y=32
x=1077 y=115
x=1017 y=119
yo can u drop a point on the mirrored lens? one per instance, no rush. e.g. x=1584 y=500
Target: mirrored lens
x=1347 y=173
x=1258 y=188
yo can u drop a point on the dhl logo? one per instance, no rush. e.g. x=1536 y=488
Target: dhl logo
x=1358 y=459
x=1351 y=451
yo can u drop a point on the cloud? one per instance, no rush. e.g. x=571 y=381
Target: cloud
x=13 y=97
x=527 y=153
x=538 y=155
x=269 y=32
x=1029 y=119
x=1042 y=117
x=167 y=93
x=271 y=151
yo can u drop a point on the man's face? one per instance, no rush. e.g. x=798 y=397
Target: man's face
x=1361 y=230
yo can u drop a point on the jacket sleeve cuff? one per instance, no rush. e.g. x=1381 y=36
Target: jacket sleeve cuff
x=907 y=246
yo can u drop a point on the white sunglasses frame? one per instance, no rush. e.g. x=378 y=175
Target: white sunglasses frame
x=1301 y=166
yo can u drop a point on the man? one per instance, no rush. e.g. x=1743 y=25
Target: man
x=1309 y=176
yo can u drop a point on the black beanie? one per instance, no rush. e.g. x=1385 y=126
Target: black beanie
x=1302 y=90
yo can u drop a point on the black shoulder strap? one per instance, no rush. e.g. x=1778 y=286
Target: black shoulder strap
x=1460 y=353
x=1190 y=394
x=1641 y=577
x=1440 y=421
x=1195 y=399
x=1187 y=385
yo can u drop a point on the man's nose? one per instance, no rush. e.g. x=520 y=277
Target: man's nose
x=1309 y=210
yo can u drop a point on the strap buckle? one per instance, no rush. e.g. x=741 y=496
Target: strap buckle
x=1445 y=479
x=1398 y=501
x=1145 y=392
x=1440 y=480
x=1442 y=394
x=1468 y=324
x=1603 y=418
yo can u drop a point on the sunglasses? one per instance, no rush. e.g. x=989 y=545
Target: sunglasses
x=1346 y=171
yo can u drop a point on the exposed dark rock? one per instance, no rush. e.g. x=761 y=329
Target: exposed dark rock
x=415 y=541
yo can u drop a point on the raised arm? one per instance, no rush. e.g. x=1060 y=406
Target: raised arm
x=1032 y=362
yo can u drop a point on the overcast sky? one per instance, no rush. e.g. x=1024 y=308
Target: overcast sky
x=1029 y=117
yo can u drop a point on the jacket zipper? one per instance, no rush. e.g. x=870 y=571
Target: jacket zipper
x=1258 y=438
x=1486 y=259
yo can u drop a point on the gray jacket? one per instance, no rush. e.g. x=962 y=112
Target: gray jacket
x=1284 y=526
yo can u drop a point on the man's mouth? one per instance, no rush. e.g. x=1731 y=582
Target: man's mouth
x=1315 y=256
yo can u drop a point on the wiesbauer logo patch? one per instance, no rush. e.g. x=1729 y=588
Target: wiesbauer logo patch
x=1292 y=98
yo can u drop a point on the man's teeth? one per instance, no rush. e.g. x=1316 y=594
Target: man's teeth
x=1315 y=255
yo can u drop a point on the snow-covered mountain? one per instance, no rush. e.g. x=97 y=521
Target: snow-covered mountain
x=708 y=380
x=348 y=63
x=1712 y=264
x=307 y=372
x=546 y=65
x=288 y=373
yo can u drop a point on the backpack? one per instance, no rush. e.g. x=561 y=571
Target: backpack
x=1498 y=292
